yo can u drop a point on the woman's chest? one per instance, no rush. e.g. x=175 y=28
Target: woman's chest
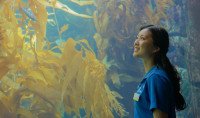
x=141 y=96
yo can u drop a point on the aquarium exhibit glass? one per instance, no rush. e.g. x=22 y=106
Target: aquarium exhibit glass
x=74 y=58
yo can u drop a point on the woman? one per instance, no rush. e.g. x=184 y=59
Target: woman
x=158 y=94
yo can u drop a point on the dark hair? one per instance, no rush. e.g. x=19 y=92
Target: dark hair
x=161 y=39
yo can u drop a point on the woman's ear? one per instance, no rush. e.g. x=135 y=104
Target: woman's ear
x=156 y=49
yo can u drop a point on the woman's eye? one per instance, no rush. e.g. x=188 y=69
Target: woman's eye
x=141 y=38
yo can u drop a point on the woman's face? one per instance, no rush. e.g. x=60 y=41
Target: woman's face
x=143 y=45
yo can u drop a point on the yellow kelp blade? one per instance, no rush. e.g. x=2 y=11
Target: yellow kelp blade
x=51 y=22
x=63 y=7
x=82 y=3
x=64 y=28
x=25 y=113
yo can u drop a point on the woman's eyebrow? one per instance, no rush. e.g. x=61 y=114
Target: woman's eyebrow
x=140 y=35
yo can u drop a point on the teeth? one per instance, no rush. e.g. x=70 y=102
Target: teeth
x=136 y=49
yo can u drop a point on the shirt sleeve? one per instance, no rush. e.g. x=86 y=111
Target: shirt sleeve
x=159 y=93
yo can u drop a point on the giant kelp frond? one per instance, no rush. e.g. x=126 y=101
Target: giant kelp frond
x=83 y=2
x=114 y=103
x=9 y=41
x=102 y=44
x=83 y=85
x=37 y=82
x=155 y=15
x=64 y=28
x=8 y=30
x=63 y=7
x=40 y=26
x=117 y=18
x=2 y=37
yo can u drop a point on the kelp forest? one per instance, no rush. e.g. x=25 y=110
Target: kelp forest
x=73 y=58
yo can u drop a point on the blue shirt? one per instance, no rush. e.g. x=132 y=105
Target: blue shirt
x=154 y=91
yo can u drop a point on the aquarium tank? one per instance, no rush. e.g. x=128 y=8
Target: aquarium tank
x=73 y=58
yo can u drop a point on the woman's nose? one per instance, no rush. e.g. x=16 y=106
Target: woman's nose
x=136 y=42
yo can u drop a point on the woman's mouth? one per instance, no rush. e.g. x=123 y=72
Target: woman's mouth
x=136 y=49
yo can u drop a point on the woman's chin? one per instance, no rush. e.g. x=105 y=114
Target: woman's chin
x=135 y=55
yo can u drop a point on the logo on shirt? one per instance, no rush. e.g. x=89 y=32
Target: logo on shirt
x=138 y=93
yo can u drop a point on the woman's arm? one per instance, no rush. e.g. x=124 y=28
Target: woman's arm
x=159 y=114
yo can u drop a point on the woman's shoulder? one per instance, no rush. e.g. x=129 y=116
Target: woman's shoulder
x=159 y=73
x=158 y=79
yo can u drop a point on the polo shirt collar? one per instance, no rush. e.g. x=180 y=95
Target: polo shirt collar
x=149 y=73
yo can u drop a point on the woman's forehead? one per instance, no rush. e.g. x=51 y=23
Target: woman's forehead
x=145 y=33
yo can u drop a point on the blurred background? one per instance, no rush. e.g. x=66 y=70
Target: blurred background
x=73 y=58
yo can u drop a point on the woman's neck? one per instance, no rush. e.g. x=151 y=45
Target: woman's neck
x=148 y=64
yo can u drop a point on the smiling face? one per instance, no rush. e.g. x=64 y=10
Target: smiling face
x=143 y=45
